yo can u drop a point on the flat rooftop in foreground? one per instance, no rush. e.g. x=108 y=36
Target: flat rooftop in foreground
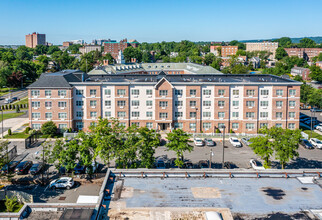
x=241 y=195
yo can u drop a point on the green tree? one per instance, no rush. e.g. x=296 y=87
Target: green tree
x=41 y=49
x=315 y=98
x=263 y=148
x=178 y=141
x=131 y=52
x=49 y=128
x=280 y=53
x=10 y=203
x=306 y=91
x=307 y=43
x=284 y=42
x=127 y=150
x=239 y=69
x=52 y=49
x=3 y=157
x=209 y=58
x=146 y=57
x=109 y=57
x=316 y=73
x=148 y=142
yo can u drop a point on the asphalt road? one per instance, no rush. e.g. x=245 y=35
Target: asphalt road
x=20 y=94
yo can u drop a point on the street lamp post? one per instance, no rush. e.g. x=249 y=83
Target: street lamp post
x=196 y=120
x=312 y=121
x=223 y=146
x=211 y=155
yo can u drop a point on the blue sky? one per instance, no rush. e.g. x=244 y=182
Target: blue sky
x=152 y=21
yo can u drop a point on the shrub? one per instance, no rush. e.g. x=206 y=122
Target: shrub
x=10 y=107
x=27 y=130
x=10 y=203
x=49 y=128
x=9 y=132
x=7 y=107
x=231 y=131
x=13 y=107
x=17 y=109
x=21 y=106
x=217 y=130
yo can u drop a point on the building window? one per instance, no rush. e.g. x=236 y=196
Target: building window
x=292 y=92
x=262 y=125
x=136 y=114
x=291 y=103
x=278 y=125
x=137 y=124
x=108 y=114
x=235 y=103
x=250 y=92
x=122 y=124
x=193 y=114
x=206 y=114
x=206 y=103
x=279 y=103
x=178 y=92
x=149 y=114
x=80 y=114
x=61 y=92
x=135 y=103
x=178 y=125
x=92 y=92
x=264 y=92
x=79 y=92
x=36 y=126
x=149 y=125
x=235 y=114
x=48 y=104
x=79 y=125
x=121 y=114
x=163 y=92
x=193 y=103
x=62 y=127
x=163 y=104
x=264 y=103
x=178 y=114
x=291 y=125
x=263 y=114
x=221 y=114
x=206 y=125
x=250 y=103
x=35 y=115
x=149 y=92
x=149 y=103
x=178 y=103
x=62 y=115
x=35 y=104
x=250 y=126
x=220 y=125
x=49 y=115
x=47 y=92
x=107 y=92
x=35 y=92
x=291 y=114
x=279 y=114
x=135 y=92
x=107 y=103
x=221 y=92
x=79 y=103
x=279 y=92
x=206 y=92
x=221 y=103
x=121 y=103
x=235 y=92
x=92 y=103
x=193 y=92
x=163 y=115
x=121 y=92
x=62 y=104
x=250 y=114
x=192 y=126
x=235 y=125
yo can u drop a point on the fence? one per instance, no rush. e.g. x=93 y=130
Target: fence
x=12 y=153
x=31 y=140
x=227 y=135
x=70 y=135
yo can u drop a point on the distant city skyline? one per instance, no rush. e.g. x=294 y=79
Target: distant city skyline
x=154 y=21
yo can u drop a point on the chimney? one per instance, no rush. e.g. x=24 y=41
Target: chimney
x=133 y=60
x=105 y=62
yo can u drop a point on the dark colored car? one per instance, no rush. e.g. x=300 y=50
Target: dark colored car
x=36 y=168
x=187 y=165
x=203 y=164
x=305 y=143
x=14 y=99
x=23 y=167
x=172 y=163
x=12 y=166
x=79 y=169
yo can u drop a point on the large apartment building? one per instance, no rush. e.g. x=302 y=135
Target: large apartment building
x=305 y=53
x=263 y=46
x=34 y=39
x=193 y=102
x=114 y=47
x=225 y=50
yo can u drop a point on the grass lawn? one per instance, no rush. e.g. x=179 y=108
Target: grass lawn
x=314 y=134
x=3 y=207
x=4 y=91
x=21 y=135
x=22 y=101
x=11 y=115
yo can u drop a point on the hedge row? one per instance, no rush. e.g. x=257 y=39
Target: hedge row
x=12 y=106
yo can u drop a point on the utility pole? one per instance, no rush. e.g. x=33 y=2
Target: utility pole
x=211 y=155
x=223 y=147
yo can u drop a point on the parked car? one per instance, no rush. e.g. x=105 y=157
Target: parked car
x=316 y=143
x=36 y=168
x=203 y=164
x=305 y=143
x=235 y=142
x=209 y=142
x=229 y=165
x=213 y=216
x=12 y=166
x=63 y=182
x=172 y=163
x=23 y=167
x=14 y=99
x=319 y=127
x=246 y=141
x=187 y=165
x=7 y=101
x=160 y=163
x=198 y=142
x=255 y=164
x=315 y=110
x=79 y=169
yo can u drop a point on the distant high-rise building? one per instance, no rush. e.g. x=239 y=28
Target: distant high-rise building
x=225 y=50
x=263 y=46
x=114 y=47
x=101 y=41
x=34 y=39
x=77 y=41
x=67 y=43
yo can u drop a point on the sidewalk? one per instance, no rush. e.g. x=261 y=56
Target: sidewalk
x=14 y=124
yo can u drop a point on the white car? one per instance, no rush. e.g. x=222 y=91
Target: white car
x=235 y=142
x=319 y=127
x=63 y=182
x=198 y=142
x=256 y=165
x=316 y=143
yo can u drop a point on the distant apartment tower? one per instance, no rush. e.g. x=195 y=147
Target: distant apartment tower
x=89 y=48
x=114 y=47
x=225 y=50
x=263 y=46
x=34 y=39
x=101 y=41
x=67 y=43
x=299 y=71
x=305 y=53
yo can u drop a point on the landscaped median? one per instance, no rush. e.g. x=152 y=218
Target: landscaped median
x=11 y=115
